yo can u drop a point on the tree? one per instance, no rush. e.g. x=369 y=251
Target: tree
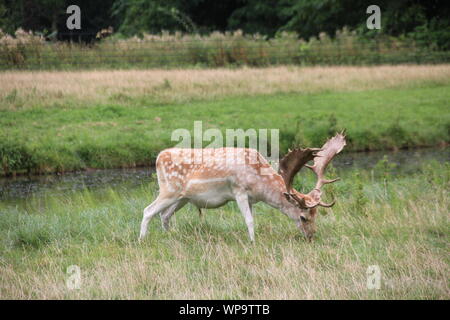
x=256 y=16
x=310 y=17
x=153 y=16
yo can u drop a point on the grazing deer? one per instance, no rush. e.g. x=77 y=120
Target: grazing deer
x=241 y=175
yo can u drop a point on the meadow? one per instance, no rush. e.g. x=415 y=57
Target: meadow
x=398 y=223
x=63 y=121
x=59 y=121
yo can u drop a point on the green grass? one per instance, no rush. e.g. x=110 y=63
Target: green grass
x=62 y=137
x=399 y=223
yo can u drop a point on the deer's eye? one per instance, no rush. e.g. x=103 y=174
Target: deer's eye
x=303 y=219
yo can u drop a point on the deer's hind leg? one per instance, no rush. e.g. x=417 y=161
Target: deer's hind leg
x=156 y=207
x=169 y=212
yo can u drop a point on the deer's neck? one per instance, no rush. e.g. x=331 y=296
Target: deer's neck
x=284 y=206
x=275 y=198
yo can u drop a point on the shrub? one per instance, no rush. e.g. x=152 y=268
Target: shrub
x=25 y=50
x=15 y=156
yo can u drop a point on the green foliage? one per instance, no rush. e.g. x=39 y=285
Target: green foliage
x=425 y=22
x=360 y=199
x=434 y=34
x=139 y=17
x=437 y=175
x=15 y=156
x=396 y=135
x=385 y=170
x=332 y=125
x=250 y=16
x=300 y=139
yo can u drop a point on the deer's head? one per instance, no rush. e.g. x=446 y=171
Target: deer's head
x=305 y=205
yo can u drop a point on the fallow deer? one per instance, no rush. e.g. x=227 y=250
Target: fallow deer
x=209 y=178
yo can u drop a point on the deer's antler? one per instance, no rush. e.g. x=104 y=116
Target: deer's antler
x=292 y=162
x=331 y=148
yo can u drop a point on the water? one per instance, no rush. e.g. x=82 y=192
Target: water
x=408 y=161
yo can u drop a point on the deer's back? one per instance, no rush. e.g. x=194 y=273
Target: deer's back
x=194 y=170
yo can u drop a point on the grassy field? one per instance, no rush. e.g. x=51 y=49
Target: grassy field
x=398 y=223
x=62 y=121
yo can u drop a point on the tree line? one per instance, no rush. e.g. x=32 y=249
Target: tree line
x=426 y=22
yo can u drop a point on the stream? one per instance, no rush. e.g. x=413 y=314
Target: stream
x=21 y=187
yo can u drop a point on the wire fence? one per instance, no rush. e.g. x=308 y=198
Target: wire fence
x=32 y=53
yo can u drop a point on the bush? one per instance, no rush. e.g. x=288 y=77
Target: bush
x=25 y=50
x=15 y=156
x=21 y=50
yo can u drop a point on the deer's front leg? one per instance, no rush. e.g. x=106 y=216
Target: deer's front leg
x=246 y=209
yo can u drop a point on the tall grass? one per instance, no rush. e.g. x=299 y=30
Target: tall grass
x=399 y=223
x=28 y=51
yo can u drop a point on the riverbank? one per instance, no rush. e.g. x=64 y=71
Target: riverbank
x=95 y=125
